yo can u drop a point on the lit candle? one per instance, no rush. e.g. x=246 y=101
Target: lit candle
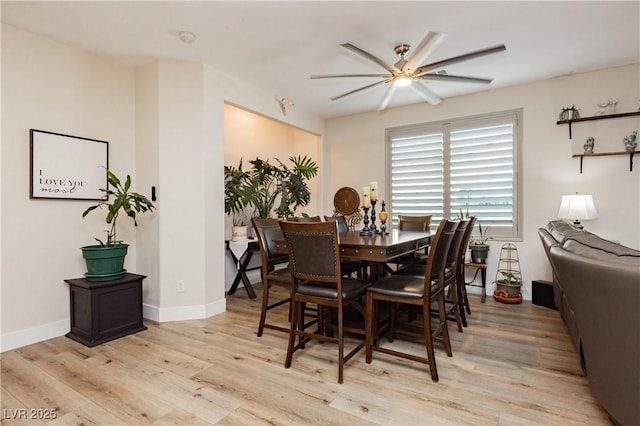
x=366 y=192
x=374 y=191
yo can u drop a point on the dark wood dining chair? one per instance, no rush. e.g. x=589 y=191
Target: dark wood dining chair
x=305 y=219
x=341 y=220
x=267 y=231
x=452 y=278
x=463 y=299
x=314 y=257
x=414 y=223
x=416 y=291
x=349 y=266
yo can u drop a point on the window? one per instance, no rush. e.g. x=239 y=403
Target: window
x=468 y=163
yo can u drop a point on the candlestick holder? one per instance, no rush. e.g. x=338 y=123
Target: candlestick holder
x=366 y=230
x=384 y=216
x=373 y=227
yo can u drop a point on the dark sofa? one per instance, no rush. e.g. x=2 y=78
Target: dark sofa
x=597 y=291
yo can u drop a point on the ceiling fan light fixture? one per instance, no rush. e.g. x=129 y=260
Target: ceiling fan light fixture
x=402 y=81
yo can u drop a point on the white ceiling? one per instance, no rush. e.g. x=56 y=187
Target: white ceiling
x=277 y=46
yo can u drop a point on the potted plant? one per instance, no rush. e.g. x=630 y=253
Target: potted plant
x=260 y=187
x=479 y=247
x=463 y=215
x=510 y=283
x=570 y=113
x=241 y=222
x=630 y=142
x=589 y=145
x=105 y=260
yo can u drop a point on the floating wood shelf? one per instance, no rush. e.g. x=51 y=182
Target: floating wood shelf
x=605 y=154
x=597 y=117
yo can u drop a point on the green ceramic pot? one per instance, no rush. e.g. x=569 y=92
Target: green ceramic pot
x=479 y=253
x=104 y=263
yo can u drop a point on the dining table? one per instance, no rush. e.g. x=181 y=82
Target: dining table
x=376 y=249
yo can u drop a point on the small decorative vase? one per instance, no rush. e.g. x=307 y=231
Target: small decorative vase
x=239 y=233
x=588 y=146
x=630 y=142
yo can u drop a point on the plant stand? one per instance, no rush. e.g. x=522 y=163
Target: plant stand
x=104 y=311
x=508 y=276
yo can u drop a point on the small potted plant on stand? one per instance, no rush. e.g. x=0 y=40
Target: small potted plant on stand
x=105 y=260
x=479 y=247
x=510 y=283
x=241 y=222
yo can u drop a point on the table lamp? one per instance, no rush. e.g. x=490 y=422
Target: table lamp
x=577 y=207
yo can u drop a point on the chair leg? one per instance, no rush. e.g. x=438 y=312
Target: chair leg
x=444 y=325
x=455 y=306
x=428 y=341
x=370 y=320
x=460 y=287
x=301 y=324
x=263 y=311
x=292 y=334
x=340 y=345
x=466 y=301
x=391 y=332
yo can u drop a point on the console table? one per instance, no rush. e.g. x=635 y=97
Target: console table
x=242 y=264
x=106 y=310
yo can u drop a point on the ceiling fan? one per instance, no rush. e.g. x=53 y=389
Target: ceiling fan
x=407 y=71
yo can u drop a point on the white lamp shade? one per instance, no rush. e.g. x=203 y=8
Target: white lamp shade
x=578 y=207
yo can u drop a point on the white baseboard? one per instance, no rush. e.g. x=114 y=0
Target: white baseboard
x=17 y=339
x=183 y=313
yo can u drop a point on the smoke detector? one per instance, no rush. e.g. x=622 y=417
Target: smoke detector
x=187 y=37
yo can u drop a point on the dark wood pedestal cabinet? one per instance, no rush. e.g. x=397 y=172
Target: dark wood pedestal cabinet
x=103 y=311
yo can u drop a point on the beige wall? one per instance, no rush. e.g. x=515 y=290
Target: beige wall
x=248 y=136
x=49 y=86
x=548 y=170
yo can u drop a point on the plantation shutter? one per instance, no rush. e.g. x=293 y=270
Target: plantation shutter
x=417 y=174
x=482 y=171
x=466 y=164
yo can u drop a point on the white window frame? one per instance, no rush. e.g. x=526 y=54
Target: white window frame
x=515 y=116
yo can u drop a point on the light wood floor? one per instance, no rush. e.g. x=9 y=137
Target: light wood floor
x=514 y=364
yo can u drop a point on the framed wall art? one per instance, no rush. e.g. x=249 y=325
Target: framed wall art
x=67 y=167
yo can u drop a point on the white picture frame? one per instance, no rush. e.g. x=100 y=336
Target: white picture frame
x=67 y=167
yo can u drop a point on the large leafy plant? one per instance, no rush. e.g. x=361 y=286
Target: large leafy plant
x=124 y=200
x=265 y=184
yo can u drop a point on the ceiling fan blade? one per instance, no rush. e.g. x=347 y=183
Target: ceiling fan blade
x=313 y=77
x=387 y=97
x=427 y=94
x=460 y=58
x=425 y=48
x=369 y=56
x=335 y=98
x=461 y=78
